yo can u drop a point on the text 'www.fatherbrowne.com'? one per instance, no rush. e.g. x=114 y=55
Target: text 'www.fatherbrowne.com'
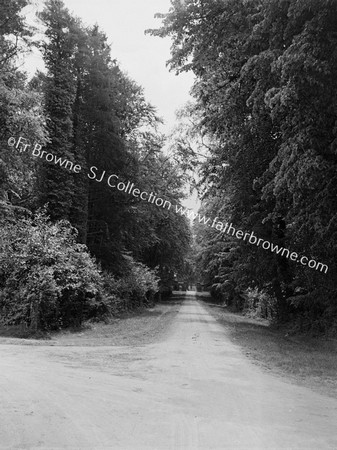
x=128 y=187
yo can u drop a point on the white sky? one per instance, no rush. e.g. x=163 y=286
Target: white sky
x=142 y=56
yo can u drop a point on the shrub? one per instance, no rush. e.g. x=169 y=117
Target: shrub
x=137 y=286
x=259 y=304
x=47 y=280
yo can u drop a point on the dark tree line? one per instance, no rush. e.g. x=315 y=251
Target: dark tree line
x=265 y=92
x=85 y=109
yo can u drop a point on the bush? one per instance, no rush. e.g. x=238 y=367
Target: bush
x=259 y=304
x=47 y=280
x=138 y=286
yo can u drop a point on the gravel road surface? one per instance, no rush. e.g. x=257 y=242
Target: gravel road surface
x=193 y=389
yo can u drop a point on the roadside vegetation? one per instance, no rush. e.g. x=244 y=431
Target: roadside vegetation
x=72 y=248
x=261 y=136
x=265 y=116
x=301 y=358
x=49 y=281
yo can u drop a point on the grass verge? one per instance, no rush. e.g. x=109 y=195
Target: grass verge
x=136 y=327
x=310 y=362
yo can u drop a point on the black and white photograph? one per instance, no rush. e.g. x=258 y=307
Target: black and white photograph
x=168 y=224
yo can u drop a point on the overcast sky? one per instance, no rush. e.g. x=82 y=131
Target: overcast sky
x=142 y=56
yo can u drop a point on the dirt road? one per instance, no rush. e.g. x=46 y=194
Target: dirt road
x=193 y=390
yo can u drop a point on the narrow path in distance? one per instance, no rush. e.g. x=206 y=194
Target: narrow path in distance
x=192 y=390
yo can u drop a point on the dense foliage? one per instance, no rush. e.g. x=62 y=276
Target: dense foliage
x=47 y=279
x=85 y=110
x=266 y=74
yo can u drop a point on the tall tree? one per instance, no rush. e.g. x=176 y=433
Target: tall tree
x=21 y=111
x=56 y=186
x=265 y=73
x=14 y=30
